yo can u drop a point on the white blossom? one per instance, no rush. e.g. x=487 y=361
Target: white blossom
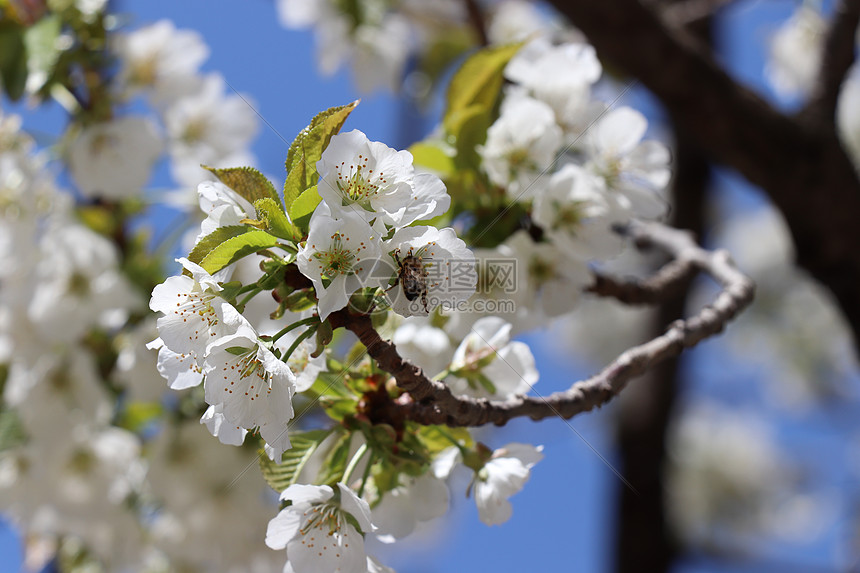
x=848 y=115
x=431 y=267
x=193 y=310
x=78 y=284
x=380 y=53
x=560 y=76
x=423 y=345
x=338 y=257
x=488 y=364
x=795 y=51
x=375 y=40
x=136 y=363
x=575 y=215
x=57 y=392
x=401 y=509
x=553 y=278
x=502 y=476
x=208 y=127
x=114 y=159
x=161 y=58
x=305 y=367
x=78 y=484
x=223 y=207
x=254 y=387
x=498 y=293
x=201 y=485
x=316 y=530
x=521 y=144
x=181 y=369
x=514 y=21
x=372 y=180
x=218 y=426
x=724 y=473
x=635 y=172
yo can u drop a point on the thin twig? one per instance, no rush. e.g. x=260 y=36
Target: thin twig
x=668 y=281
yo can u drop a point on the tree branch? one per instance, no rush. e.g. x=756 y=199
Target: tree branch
x=476 y=17
x=434 y=403
x=693 y=11
x=837 y=58
x=669 y=280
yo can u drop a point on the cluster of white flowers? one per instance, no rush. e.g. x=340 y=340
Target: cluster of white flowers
x=360 y=235
x=201 y=487
x=198 y=121
x=578 y=167
x=60 y=282
x=794 y=330
x=203 y=338
x=378 y=37
x=728 y=481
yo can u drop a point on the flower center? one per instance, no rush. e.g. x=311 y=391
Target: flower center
x=79 y=285
x=324 y=517
x=357 y=183
x=610 y=170
x=519 y=160
x=337 y=260
x=567 y=215
x=200 y=304
x=195 y=130
x=541 y=270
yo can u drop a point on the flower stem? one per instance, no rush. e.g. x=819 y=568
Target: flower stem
x=452 y=439
x=293 y=326
x=366 y=473
x=442 y=375
x=354 y=462
x=301 y=338
x=254 y=292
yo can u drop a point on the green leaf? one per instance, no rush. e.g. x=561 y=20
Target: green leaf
x=338 y=408
x=271 y=213
x=307 y=148
x=335 y=462
x=433 y=157
x=234 y=249
x=138 y=414
x=441 y=52
x=479 y=80
x=11 y=430
x=205 y=245
x=303 y=207
x=13 y=60
x=439 y=438
x=469 y=128
x=331 y=384
x=247 y=182
x=282 y=475
x=42 y=48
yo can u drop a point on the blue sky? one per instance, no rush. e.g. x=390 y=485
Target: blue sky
x=563 y=518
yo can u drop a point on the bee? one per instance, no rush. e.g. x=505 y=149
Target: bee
x=411 y=276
